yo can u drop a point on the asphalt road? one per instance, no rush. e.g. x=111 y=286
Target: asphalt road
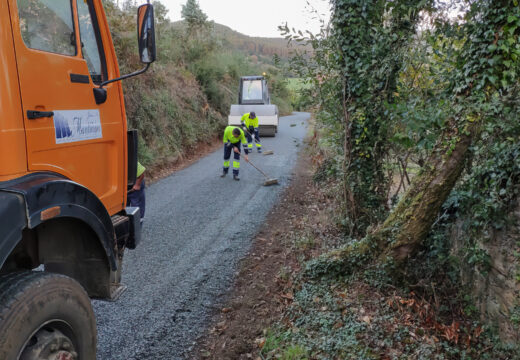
x=197 y=228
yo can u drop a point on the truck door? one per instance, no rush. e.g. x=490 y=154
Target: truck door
x=61 y=58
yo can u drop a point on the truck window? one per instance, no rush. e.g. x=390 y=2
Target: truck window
x=252 y=90
x=47 y=25
x=91 y=41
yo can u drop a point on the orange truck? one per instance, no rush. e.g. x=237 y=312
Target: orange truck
x=67 y=161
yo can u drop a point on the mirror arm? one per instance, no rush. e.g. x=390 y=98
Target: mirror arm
x=138 y=72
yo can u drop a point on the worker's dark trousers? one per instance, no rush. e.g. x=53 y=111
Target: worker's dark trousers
x=137 y=198
x=250 y=139
x=227 y=154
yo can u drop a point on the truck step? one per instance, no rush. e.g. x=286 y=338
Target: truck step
x=116 y=290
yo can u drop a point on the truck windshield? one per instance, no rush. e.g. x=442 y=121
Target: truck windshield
x=252 y=90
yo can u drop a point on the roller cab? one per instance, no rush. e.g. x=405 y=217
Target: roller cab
x=254 y=96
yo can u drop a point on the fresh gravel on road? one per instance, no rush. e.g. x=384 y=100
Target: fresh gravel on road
x=197 y=228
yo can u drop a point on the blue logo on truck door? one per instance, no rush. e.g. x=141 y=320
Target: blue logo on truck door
x=77 y=125
x=61 y=126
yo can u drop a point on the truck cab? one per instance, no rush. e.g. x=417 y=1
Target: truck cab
x=67 y=161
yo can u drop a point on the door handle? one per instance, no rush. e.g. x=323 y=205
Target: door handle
x=34 y=114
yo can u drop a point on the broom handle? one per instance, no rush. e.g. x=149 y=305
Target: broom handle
x=253 y=165
x=247 y=131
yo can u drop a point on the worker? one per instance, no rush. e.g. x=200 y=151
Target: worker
x=233 y=136
x=136 y=196
x=249 y=123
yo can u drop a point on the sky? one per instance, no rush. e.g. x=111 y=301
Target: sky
x=259 y=17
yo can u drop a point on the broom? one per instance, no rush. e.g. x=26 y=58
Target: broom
x=269 y=181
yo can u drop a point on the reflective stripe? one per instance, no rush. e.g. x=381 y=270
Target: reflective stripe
x=236 y=164
x=226 y=163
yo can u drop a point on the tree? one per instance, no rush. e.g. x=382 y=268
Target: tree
x=483 y=63
x=491 y=33
x=194 y=16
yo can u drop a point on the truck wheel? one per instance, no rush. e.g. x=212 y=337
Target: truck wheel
x=45 y=316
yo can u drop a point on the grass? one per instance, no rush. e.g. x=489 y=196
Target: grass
x=273 y=343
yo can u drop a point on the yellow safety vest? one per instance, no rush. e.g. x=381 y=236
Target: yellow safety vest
x=248 y=121
x=228 y=135
x=140 y=169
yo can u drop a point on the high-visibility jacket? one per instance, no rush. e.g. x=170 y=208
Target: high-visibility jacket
x=249 y=122
x=229 y=137
x=140 y=169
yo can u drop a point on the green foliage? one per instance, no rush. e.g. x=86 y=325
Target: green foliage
x=487 y=193
x=321 y=327
x=279 y=89
x=354 y=74
x=289 y=352
x=390 y=97
x=338 y=319
x=300 y=94
x=194 y=16
x=397 y=103
x=344 y=318
x=515 y=316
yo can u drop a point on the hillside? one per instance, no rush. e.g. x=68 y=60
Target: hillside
x=253 y=45
x=263 y=48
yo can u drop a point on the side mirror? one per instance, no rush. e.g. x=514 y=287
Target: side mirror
x=146 y=33
x=146 y=39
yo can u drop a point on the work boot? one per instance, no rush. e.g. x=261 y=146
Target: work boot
x=259 y=150
x=223 y=174
x=235 y=177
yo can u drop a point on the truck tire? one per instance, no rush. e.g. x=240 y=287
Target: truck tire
x=45 y=316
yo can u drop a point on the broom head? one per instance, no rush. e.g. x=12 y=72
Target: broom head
x=269 y=182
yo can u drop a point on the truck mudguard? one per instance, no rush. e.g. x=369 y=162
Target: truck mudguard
x=12 y=221
x=42 y=196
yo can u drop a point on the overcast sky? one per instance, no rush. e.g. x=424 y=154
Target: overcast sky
x=258 y=17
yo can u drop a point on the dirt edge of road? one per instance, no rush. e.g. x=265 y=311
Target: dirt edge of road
x=258 y=297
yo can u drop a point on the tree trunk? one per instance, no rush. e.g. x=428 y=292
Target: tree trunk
x=408 y=225
x=421 y=204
